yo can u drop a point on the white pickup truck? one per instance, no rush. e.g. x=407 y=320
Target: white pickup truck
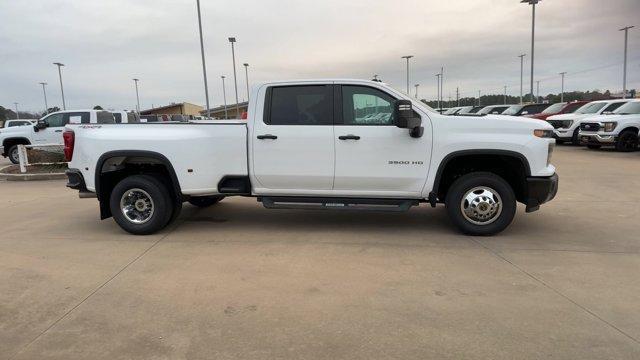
x=48 y=130
x=315 y=145
x=619 y=129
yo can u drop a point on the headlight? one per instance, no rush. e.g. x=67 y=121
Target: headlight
x=543 y=133
x=551 y=147
x=567 y=123
x=609 y=126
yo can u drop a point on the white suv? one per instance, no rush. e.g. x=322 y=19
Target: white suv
x=567 y=126
x=619 y=129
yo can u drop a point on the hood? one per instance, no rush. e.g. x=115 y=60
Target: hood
x=570 y=116
x=612 y=117
x=502 y=123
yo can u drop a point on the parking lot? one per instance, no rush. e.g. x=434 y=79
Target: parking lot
x=238 y=281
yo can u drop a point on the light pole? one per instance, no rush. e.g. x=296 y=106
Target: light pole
x=416 y=85
x=537 y=91
x=138 y=97
x=438 y=85
x=457 y=96
x=442 y=85
x=232 y=40
x=521 y=56
x=533 y=32
x=246 y=74
x=504 y=97
x=224 y=96
x=562 y=88
x=204 y=66
x=44 y=91
x=624 y=71
x=17 y=115
x=407 y=57
x=478 y=97
x=60 y=65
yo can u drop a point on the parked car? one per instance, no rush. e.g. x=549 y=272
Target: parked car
x=558 y=108
x=525 y=109
x=567 y=126
x=493 y=109
x=295 y=151
x=48 y=130
x=453 y=110
x=619 y=130
x=17 y=122
x=470 y=110
x=463 y=110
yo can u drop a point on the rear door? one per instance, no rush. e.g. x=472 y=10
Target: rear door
x=373 y=156
x=293 y=146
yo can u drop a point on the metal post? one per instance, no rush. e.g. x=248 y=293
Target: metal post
x=521 y=56
x=442 y=85
x=416 y=85
x=624 y=71
x=457 y=96
x=224 y=96
x=537 y=91
x=407 y=57
x=204 y=66
x=44 y=91
x=562 y=88
x=533 y=33
x=246 y=74
x=232 y=40
x=17 y=115
x=479 y=98
x=438 y=84
x=138 y=97
x=60 y=65
x=504 y=98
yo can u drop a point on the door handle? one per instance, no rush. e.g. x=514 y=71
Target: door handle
x=267 y=136
x=58 y=130
x=349 y=137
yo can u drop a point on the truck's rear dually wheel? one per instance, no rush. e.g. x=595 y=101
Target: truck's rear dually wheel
x=481 y=203
x=141 y=204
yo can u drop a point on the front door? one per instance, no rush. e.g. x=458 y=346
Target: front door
x=373 y=156
x=293 y=149
x=53 y=133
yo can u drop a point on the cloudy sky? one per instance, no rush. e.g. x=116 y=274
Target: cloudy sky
x=106 y=43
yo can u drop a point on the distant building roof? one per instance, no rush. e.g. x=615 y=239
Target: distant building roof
x=243 y=104
x=155 y=109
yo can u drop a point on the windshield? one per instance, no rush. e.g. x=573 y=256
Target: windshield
x=572 y=108
x=451 y=111
x=590 y=108
x=555 y=108
x=628 y=108
x=512 y=110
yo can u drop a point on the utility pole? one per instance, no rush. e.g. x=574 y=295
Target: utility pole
x=17 y=115
x=438 y=84
x=504 y=97
x=479 y=98
x=624 y=71
x=246 y=74
x=537 y=91
x=60 y=65
x=224 y=96
x=457 y=96
x=521 y=56
x=138 y=97
x=232 y=40
x=407 y=57
x=204 y=66
x=533 y=32
x=44 y=91
x=562 y=91
x=416 y=85
x=442 y=84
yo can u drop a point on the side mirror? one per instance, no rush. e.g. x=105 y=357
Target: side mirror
x=524 y=113
x=41 y=125
x=405 y=118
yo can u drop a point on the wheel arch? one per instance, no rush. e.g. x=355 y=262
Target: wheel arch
x=9 y=142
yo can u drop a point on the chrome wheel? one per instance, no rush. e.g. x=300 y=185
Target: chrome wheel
x=481 y=205
x=137 y=206
x=14 y=156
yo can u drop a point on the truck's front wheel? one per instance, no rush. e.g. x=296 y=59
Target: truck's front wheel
x=141 y=204
x=14 y=154
x=481 y=203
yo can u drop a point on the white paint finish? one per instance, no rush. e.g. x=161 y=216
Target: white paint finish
x=567 y=133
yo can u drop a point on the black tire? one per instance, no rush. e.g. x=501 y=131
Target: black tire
x=205 y=201
x=460 y=187
x=559 y=142
x=12 y=154
x=575 y=139
x=163 y=206
x=627 y=141
x=594 y=147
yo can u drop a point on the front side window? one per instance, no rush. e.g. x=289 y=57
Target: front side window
x=629 y=108
x=590 y=108
x=55 y=120
x=117 y=117
x=613 y=107
x=18 y=123
x=301 y=105
x=363 y=105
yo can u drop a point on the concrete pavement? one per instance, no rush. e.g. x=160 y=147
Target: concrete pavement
x=237 y=281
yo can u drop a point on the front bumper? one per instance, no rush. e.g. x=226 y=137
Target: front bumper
x=562 y=134
x=597 y=139
x=540 y=190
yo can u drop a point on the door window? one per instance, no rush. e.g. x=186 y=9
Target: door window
x=76 y=118
x=300 y=105
x=363 y=105
x=613 y=106
x=55 y=120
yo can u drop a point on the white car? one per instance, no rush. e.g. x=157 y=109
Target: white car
x=17 y=122
x=567 y=126
x=619 y=130
x=48 y=130
x=298 y=150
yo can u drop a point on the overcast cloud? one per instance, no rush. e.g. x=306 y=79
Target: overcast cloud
x=106 y=43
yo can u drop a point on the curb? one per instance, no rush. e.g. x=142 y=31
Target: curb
x=31 y=177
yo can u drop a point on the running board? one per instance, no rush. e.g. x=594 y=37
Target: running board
x=318 y=203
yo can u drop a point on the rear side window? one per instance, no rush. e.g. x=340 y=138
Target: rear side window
x=613 y=106
x=132 y=118
x=117 y=117
x=105 y=117
x=300 y=105
x=18 y=123
x=76 y=118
